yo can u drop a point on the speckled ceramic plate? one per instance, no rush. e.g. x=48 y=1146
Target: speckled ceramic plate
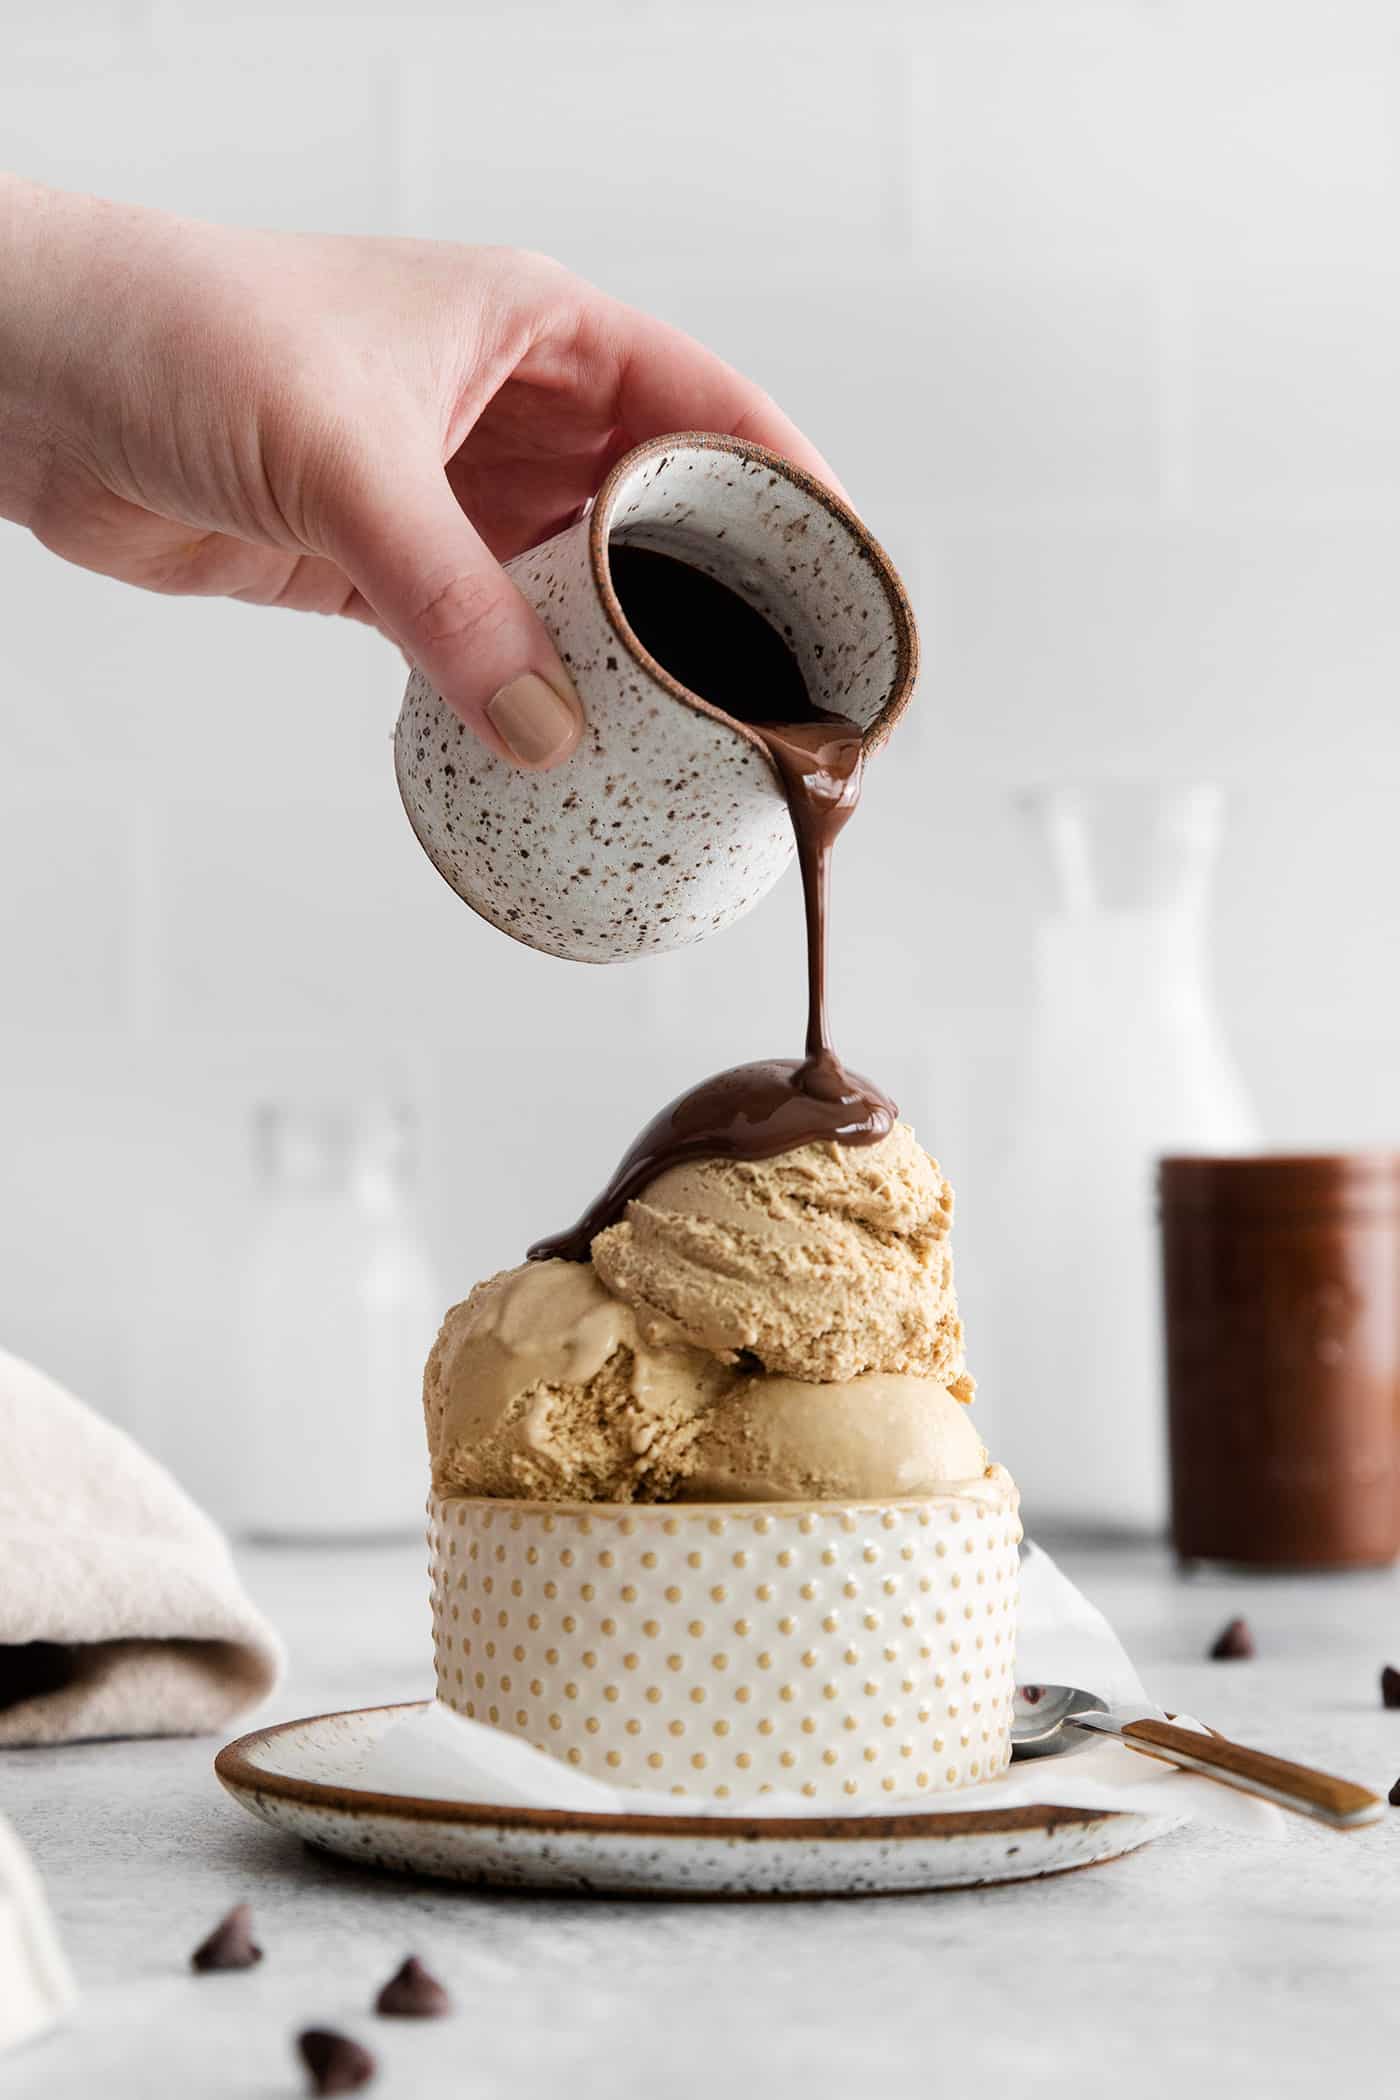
x=298 y=1777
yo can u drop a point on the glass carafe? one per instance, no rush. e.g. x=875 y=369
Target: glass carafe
x=338 y=1311
x=1124 y=1061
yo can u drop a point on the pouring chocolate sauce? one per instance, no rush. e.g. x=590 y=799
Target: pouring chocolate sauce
x=719 y=647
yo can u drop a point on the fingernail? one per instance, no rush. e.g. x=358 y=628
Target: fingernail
x=534 y=722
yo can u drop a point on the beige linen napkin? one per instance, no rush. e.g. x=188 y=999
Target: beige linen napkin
x=120 y=1611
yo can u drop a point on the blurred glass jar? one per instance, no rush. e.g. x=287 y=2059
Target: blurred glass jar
x=1282 y=1290
x=1124 y=1060
x=338 y=1310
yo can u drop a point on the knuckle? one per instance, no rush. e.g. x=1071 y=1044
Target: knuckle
x=535 y=263
x=463 y=609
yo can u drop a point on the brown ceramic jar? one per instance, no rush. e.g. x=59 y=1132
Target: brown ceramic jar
x=1282 y=1299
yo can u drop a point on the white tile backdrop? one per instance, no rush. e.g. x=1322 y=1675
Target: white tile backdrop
x=1096 y=307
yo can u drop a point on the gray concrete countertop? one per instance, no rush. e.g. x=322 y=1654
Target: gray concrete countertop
x=1205 y=1964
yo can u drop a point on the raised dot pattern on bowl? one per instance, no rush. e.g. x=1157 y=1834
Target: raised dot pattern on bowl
x=832 y=1651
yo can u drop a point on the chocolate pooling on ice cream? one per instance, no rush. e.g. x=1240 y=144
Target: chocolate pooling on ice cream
x=725 y=651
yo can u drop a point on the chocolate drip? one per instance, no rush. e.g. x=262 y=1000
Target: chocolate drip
x=750 y=1112
x=819 y=764
x=759 y=1110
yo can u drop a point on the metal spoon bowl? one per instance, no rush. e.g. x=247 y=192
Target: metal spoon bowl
x=1040 y=1715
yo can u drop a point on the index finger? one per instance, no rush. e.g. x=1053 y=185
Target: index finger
x=667 y=381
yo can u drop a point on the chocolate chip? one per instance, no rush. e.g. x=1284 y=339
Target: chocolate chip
x=334 y=2062
x=1390 y=1686
x=413 y=1993
x=1234 y=1643
x=229 y=1945
x=1393 y=1797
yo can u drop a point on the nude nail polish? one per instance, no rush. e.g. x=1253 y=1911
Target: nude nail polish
x=534 y=722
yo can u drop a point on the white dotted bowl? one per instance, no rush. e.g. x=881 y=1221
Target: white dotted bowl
x=836 y=1651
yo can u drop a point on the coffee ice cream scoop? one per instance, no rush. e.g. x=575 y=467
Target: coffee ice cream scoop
x=785 y=1440
x=540 y=1386
x=821 y=1264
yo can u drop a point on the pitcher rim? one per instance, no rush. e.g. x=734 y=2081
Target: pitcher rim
x=867 y=547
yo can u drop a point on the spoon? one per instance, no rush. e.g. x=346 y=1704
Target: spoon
x=1042 y=1713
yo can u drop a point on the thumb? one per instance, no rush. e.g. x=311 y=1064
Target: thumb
x=412 y=552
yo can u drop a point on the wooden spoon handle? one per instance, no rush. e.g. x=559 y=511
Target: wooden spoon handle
x=1309 y=1793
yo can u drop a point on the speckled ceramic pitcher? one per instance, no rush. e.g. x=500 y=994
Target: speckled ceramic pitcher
x=668 y=821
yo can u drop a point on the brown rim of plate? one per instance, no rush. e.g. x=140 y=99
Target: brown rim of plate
x=868 y=547
x=236 y=1770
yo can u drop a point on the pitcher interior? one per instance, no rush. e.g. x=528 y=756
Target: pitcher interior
x=812 y=574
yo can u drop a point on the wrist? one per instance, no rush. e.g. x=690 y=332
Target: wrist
x=46 y=251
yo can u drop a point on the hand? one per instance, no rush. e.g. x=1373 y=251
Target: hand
x=364 y=427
